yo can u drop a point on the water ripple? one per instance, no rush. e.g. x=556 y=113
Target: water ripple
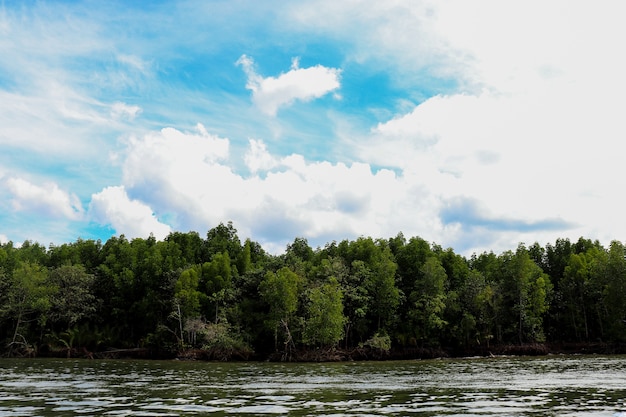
x=557 y=386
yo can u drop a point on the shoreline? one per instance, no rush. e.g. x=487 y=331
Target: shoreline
x=358 y=354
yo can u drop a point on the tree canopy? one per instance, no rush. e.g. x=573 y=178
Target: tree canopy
x=189 y=292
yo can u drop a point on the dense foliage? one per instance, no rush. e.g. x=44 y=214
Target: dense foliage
x=230 y=298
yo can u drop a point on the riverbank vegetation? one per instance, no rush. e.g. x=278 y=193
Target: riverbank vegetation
x=215 y=297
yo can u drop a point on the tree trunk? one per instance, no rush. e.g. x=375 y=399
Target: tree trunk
x=17 y=326
x=519 y=330
x=180 y=324
x=289 y=343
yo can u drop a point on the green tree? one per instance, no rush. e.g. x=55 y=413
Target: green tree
x=8 y=257
x=187 y=300
x=27 y=302
x=280 y=293
x=217 y=280
x=221 y=239
x=477 y=297
x=325 y=319
x=456 y=268
x=428 y=301
x=244 y=263
x=379 y=270
x=186 y=293
x=556 y=258
x=581 y=294
x=526 y=289
x=299 y=256
x=5 y=285
x=82 y=252
x=357 y=302
x=613 y=278
x=33 y=252
x=538 y=255
x=73 y=299
x=189 y=246
x=116 y=286
x=410 y=258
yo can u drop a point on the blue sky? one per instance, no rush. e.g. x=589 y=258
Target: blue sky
x=474 y=125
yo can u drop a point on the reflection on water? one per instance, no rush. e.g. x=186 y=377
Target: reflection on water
x=555 y=385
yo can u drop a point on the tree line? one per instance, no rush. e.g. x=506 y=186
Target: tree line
x=231 y=299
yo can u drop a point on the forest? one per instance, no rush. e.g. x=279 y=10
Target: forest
x=218 y=298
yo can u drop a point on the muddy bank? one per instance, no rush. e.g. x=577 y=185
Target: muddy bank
x=334 y=354
x=364 y=354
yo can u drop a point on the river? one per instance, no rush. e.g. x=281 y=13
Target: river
x=542 y=386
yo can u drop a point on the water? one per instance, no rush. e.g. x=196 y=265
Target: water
x=549 y=386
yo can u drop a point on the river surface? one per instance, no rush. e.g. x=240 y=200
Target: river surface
x=546 y=386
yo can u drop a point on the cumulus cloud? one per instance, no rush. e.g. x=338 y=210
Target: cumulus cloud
x=112 y=206
x=159 y=149
x=303 y=84
x=481 y=146
x=47 y=199
x=293 y=196
x=258 y=158
x=521 y=140
x=456 y=134
x=518 y=156
x=180 y=171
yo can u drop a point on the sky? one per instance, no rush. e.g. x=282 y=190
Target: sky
x=475 y=125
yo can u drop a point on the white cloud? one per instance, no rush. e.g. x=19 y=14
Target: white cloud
x=514 y=47
x=171 y=173
x=396 y=35
x=182 y=173
x=533 y=133
x=525 y=131
x=187 y=178
x=129 y=217
x=47 y=199
x=529 y=159
x=257 y=157
x=121 y=110
x=303 y=84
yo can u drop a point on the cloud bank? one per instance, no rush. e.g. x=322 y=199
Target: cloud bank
x=476 y=126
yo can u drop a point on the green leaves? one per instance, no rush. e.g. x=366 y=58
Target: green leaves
x=325 y=319
x=167 y=293
x=73 y=299
x=428 y=301
x=280 y=292
x=186 y=293
x=27 y=302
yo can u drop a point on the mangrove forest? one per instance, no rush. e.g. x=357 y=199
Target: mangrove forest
x=218 y=298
